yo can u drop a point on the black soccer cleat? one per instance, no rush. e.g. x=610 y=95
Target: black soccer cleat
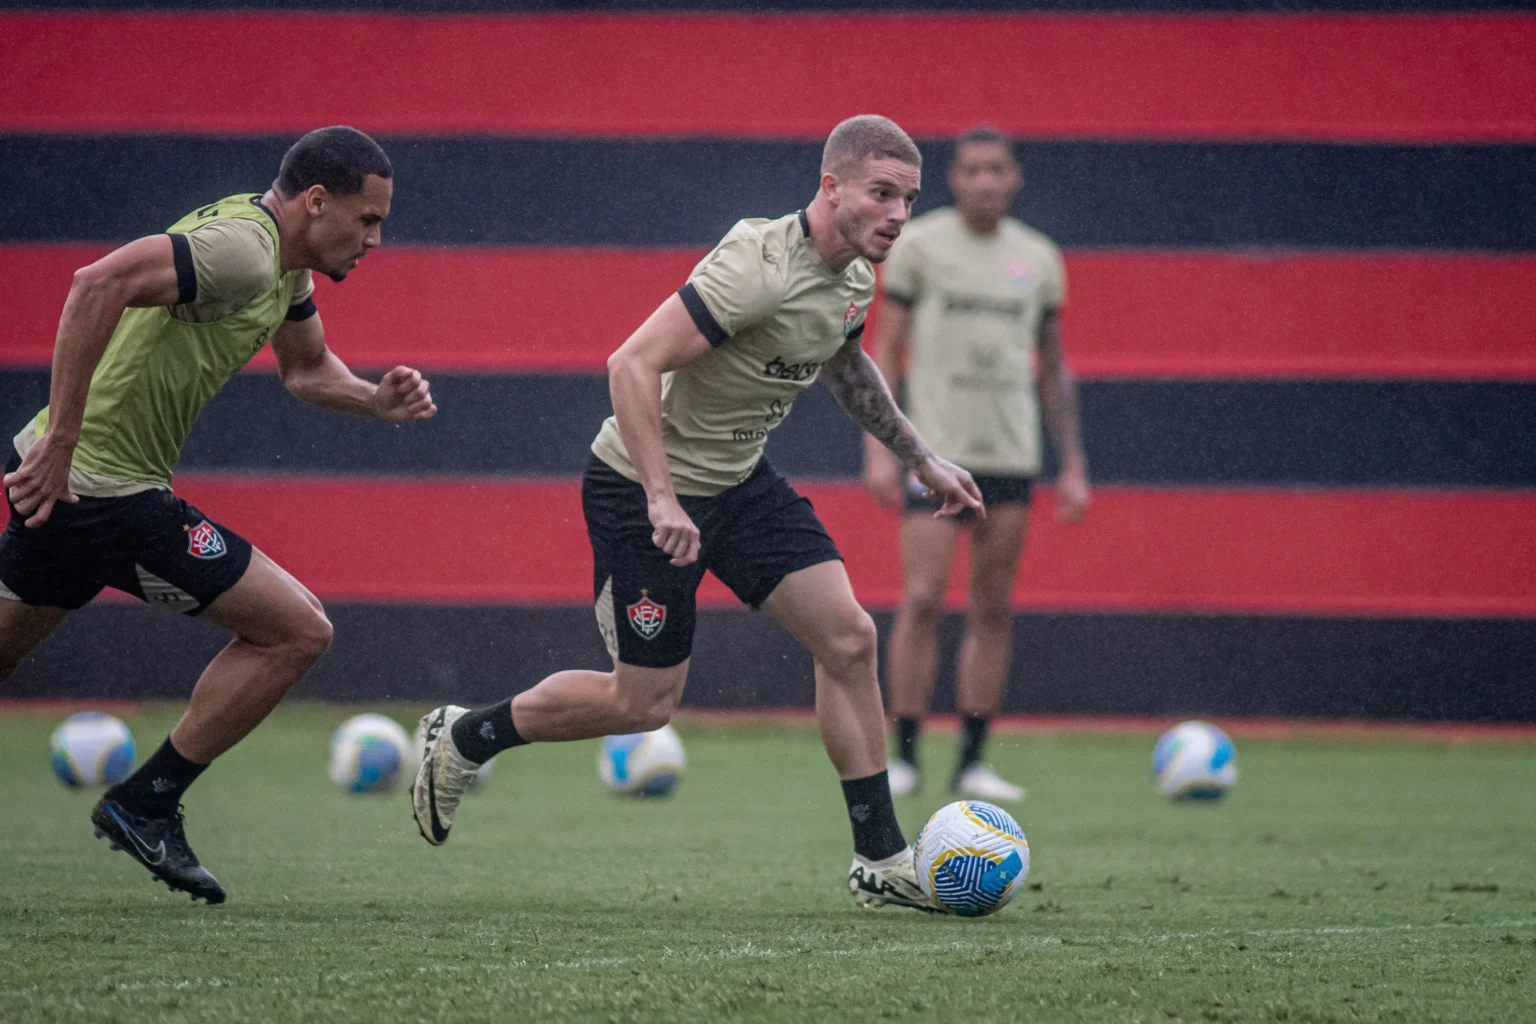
x=160 y=844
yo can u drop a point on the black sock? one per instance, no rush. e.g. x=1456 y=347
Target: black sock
x=156 y=788
x=481 y=735
x=973 y=736
x=876 y=832
x=906 y=739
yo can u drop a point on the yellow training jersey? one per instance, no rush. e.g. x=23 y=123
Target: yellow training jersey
x=165 y=363
x=976 y=305
x=774 y=313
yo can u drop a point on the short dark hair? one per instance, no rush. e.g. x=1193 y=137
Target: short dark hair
x=339 y=158
x=983 y=133
x=867 y=135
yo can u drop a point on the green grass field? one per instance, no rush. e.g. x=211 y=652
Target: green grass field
x=1368 y=881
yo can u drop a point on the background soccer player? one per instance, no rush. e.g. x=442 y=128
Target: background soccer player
x=970 y=327
x=149 y=334
x=678 y=484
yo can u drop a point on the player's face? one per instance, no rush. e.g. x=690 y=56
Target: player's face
x=874 y=202
x=984 y=179
x=344 y=228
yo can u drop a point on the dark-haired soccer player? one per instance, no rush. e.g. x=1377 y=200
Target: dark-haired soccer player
x=149 y=334
x=973 y=296
x=678 y=484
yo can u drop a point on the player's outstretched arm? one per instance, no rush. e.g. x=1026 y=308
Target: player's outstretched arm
x=667 y=340
x=312 y=373
x=855 y=381
x=882 y=473
x=141 y=273
x=1058 y=400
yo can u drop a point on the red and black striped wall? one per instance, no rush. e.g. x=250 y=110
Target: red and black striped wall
x=1302 y=259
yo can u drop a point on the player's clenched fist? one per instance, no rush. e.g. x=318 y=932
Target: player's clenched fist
x=404 y=395
x=673 y=531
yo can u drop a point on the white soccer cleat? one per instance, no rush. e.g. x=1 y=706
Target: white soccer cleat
x=443 y=777
x=903 y=777
x=891 y=881
x=980 y=782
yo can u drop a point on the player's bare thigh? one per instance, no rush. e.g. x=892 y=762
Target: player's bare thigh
x=268 y=606
x=927 y=554
x=817 y=607
x=22 y=627
x=997 y=544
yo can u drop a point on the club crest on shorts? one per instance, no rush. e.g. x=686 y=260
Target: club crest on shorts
x=205 y=541
x=647 y=617
x=849 y=317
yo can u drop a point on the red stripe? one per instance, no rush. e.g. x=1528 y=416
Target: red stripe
x=1130 y=314
x=1259 y=551
x=1325 y=77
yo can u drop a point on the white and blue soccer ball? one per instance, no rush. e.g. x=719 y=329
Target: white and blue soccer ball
x=369 y=754
x=1194 y=761
x=971 y=857
x=642 y=763
x=92 y=749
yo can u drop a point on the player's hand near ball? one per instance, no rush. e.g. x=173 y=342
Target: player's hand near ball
x=954 y=485
x=403 y=396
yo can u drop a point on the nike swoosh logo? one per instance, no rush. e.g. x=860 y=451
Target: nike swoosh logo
x=151 y=855
x=438 y=832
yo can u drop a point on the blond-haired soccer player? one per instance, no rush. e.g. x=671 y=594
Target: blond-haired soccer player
x=969 y=326
x=678 y=484
x=149 y=334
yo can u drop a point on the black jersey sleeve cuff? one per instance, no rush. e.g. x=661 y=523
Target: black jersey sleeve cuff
x=186 y=271
x=302 y=310
x=703 y=319
x=904 y=301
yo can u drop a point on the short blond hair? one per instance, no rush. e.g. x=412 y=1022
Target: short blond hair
x=864 y=136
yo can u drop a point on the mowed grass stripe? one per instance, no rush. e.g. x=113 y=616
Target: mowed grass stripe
x=1342 y=882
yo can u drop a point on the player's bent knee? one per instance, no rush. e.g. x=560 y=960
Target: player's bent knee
x=312 y=637
x=851 y=650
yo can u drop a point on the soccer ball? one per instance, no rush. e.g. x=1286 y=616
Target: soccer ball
x=368 y=753
x=1194 y=761
x=971 y=857
x=92 y=749
x=420 y=749
x=642 y=763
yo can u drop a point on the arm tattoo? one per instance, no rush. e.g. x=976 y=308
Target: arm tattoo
x=855 y=382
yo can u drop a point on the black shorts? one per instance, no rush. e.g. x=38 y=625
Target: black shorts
x=750 y=536
x=995 y=490
x=152 y=545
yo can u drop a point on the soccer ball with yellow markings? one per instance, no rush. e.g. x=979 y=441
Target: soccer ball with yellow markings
x=971 y=858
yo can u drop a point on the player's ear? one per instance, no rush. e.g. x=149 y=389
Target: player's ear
x=828 y=184
x=315 y=198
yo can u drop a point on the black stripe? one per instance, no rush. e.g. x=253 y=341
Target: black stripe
x=1321 y=433
x=703 y=319
x=302 y=310
x=857 y=332
x=430 y=7
x=805 y=223
x=1173 y=665
x=186 y=271
x=559 y=192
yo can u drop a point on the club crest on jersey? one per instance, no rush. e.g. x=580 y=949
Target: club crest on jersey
x=1022 y=274
x=205 y=541
x=647 y=617
x=849 y=317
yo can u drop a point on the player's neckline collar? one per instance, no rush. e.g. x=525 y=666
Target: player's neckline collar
x=805 y=223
